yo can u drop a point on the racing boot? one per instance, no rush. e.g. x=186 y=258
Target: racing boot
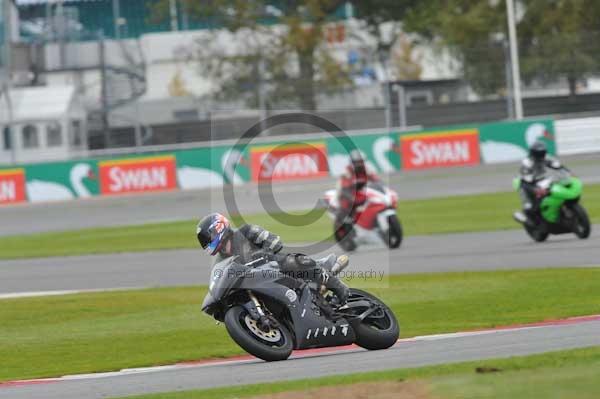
x=527 y=216
x=520 y=217
x=340 y=264
x=337 y=286
x=524 y=218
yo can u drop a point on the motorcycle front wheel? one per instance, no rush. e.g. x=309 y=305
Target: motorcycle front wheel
x=275 y=344
x=582 y=226
x=393 y=237
x=537 y=233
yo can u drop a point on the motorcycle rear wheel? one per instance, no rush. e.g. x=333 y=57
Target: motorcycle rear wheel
x=344 y=236
x=379 y=330
x=274 y=345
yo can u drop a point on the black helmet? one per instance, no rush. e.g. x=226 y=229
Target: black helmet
x=212 y=232
x=538 y=151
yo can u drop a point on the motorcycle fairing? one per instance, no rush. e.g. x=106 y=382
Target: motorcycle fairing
x=229 y=275
x=310 y=327
x=568 y=190
x=314 y=330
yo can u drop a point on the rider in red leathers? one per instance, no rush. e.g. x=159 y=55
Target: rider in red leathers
x=351 y=193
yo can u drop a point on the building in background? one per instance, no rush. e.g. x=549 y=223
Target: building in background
x=48 y=123
x=138 y=82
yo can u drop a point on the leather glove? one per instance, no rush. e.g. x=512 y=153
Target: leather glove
x=265 y=239
x=273 y=243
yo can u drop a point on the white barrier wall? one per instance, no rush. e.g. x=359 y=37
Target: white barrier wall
x=578 y=136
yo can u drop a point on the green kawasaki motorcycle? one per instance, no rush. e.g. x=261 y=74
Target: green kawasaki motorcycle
x=560 y=210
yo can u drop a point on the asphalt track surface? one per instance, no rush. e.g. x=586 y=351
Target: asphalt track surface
x=185 y=205
x=456 y=252
x=405 y=354
x=510 y=249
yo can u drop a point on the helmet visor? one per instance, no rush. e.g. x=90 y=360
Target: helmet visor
x=211 y=248
x=204 y=238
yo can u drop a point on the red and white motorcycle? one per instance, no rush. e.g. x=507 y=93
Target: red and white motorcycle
x=373 y=221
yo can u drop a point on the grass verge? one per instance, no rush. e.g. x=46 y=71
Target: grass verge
x=485 y=212
x=565 y=374
x=113 y=330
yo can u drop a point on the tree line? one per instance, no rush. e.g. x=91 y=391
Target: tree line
x=282 y=51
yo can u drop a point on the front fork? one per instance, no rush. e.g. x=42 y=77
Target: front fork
x=265 y=322
x=383 y=219
x=570 y=220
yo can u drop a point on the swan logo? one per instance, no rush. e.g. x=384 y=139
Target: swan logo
x=440 y=149
x=12 y=186
x=137 y=175
x=284 y=162
x=509 y=142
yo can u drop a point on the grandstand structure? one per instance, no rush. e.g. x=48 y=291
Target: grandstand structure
x=73 y=43
x=98 y=46
x=123 y=19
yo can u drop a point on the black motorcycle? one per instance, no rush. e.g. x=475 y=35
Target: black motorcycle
x=269 y=313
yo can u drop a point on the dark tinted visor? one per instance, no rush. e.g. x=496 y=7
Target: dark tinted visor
x=204 y=238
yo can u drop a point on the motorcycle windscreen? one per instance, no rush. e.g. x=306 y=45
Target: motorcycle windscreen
x=224 y=276
x=208 y=301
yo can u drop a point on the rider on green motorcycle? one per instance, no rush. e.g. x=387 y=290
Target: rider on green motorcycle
x=533 y=168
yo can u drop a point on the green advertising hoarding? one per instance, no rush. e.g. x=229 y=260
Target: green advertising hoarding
x=509 y=141
x=61 y=181
x=214 y=166
x=211 y=167
x=379 y=151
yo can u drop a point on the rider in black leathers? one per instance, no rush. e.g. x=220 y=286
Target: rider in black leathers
x=533 y=168
x=250 y=242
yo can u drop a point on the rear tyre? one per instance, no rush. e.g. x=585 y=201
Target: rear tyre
x=393 y=237
x=537 y=233
x=344 y=236
x=379 y=330
x=581 y=226
x=276 y=344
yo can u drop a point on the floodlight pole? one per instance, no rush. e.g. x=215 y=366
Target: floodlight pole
x=514 y=58
x=173 y=15
x=116 y=6
x=387 y=88
x=7 y=14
